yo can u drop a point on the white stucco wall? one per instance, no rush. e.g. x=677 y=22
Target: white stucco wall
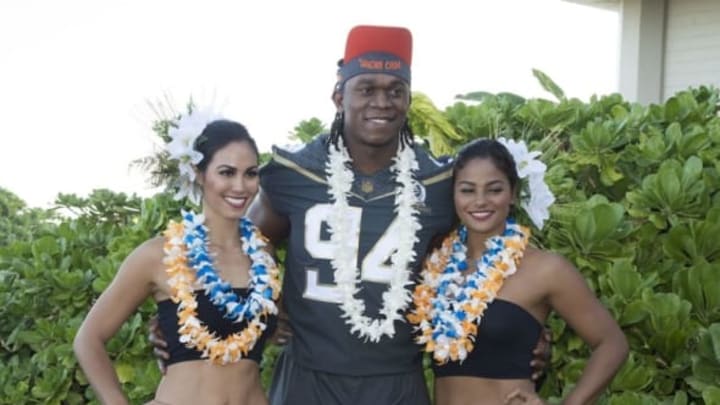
x=666 y=46
x=692 y=45
x=642 y=49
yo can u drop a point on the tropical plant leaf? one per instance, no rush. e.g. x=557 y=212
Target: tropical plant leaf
x=548 y=84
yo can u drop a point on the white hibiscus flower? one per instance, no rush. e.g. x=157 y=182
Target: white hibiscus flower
x=183 y=134
x=526 y=161
x=535 y=193
x=541 y=198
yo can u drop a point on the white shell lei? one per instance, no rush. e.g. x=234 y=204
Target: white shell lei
x=344 y=262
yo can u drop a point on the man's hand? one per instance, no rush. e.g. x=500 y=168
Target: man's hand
x=283 y=331
x=541 y=356
x=157 y=340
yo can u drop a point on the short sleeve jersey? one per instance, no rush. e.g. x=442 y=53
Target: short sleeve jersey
x=295 y=183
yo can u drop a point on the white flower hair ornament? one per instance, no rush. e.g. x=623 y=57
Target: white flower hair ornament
x=537 y=198
x=183 y=133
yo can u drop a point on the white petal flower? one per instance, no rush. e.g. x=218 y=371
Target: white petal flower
x=189 y=127
x=541 y=198
x=183 y=134
x=529 y=167
x=186 y=171
x=535 y=195
x=195 y=157
x=177 y=148
x=526 y=162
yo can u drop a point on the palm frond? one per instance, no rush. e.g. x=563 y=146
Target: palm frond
x=431 y=124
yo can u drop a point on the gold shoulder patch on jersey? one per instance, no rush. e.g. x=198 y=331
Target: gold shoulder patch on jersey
x=438 y=177
x=297 y=168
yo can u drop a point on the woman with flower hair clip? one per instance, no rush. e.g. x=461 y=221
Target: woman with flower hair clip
x=213 y=280
x=485 y=292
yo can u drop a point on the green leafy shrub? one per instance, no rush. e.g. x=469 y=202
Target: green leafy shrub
x=638 y=212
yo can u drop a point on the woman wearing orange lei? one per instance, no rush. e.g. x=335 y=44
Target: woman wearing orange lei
x=486 y=292
x=214 y=283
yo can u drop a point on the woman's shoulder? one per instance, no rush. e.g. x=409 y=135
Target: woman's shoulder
x=148 y=254
x=152 y=247
x=547 y=271
x=546 y=262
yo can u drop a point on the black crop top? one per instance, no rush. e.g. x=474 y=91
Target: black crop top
x=503 y=347
x=210 y=316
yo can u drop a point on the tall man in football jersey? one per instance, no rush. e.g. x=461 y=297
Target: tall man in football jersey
x=358 y=208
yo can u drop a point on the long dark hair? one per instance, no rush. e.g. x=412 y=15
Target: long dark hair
x=489 y=149
x=219 y=134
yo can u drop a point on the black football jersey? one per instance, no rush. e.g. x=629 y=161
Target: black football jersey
x=294 y=181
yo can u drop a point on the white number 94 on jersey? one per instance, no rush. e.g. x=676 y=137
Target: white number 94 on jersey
x=374 y=266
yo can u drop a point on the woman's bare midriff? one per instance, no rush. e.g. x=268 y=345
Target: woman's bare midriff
x=200 y=382
x=475 y=390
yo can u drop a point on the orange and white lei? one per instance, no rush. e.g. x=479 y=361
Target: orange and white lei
x=450 y=305
x=193 y=333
